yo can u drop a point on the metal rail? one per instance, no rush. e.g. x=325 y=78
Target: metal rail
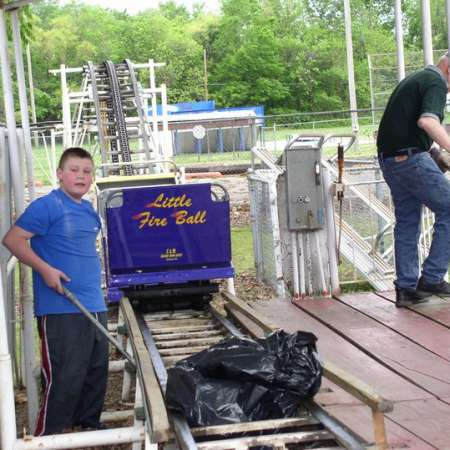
x=100 y=130
x=119 y=117
x=170 y=336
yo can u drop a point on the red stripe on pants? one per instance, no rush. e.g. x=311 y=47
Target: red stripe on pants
x=47 y=372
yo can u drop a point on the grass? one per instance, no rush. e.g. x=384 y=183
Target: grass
x=280 y=132
x=242 y=249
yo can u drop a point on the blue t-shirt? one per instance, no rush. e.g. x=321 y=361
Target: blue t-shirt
x=65 y=236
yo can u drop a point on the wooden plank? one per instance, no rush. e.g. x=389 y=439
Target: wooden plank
x=195 y=334
x=184 y=329
x=258 y=425
x=331 y=394
x=358 y=418
x=164 y=324
x=409 y=360
x=436 y=308
x=338 y=350
x=233 y=302
x=160 y=427
x=249 y=327
x=429 y=419
x=416 y=327
x=271 y=440
x=170 y=361
x=182 y=351
x=183 y=314
x=189 y=342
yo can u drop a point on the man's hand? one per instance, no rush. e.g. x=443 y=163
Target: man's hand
x=53 y=277
x=436 y=131
x=441 y=157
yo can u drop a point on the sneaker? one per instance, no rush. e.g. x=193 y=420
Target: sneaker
x=442 y=289
x=409 y=297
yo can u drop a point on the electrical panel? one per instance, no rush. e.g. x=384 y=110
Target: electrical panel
x=305 y=201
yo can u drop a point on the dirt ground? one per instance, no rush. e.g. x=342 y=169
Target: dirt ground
x=246 y=285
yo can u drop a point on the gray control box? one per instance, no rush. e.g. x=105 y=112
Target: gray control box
x=305 y=202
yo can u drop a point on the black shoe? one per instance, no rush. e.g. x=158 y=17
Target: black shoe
x=442 y=288
x=409 y=297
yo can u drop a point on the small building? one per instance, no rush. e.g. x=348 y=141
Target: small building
x=198 y=127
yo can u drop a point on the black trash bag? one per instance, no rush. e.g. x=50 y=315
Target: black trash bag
x=241 y=380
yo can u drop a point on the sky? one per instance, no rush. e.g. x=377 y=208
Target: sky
x=135 y=6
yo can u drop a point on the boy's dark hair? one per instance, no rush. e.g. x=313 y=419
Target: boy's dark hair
x=76 y=152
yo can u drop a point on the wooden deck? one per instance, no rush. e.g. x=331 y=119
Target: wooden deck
x=404 y=354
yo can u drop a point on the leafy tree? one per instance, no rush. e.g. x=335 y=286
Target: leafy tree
x=253 y=73
x=286 y=54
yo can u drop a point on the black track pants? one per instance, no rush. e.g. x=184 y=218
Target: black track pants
x=74 y=372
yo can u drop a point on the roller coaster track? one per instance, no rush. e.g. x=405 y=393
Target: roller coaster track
x=162 y=338
x=120 y=117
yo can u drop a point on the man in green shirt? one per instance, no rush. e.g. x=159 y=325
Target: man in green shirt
x=410 y=123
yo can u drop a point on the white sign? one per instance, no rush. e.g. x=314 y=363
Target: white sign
x=199 y=131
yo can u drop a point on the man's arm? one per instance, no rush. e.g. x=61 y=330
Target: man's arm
x=16 y=241
x=435 y=130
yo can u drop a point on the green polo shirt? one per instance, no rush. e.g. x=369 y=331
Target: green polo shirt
x=421 y=94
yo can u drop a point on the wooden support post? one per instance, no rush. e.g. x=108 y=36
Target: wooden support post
x=379 y=430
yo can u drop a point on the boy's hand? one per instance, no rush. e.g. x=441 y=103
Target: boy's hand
x=53 y=277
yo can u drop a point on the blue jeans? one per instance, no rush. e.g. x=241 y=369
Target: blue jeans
x=414 y=182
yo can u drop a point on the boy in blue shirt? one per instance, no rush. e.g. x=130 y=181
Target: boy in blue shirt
x=62 y=228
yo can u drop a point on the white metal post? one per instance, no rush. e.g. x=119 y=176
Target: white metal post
x=301 y=264
x=295 y=274
x=19 y=206
x=372 y=98
x=230 y=286
x=151 y=65
x=67 y=121
x=23 y=101
x=447 y=10
x=53 y=167
x=82 y=439
x=350 y=68
x=399 y=40
x=426 y=32
x=10 y=115
x=275 y=223
x=331 y=232
x=26 y=300
x=31 y=85
x=32 y=101
x=7 y=409
x=168 y=149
